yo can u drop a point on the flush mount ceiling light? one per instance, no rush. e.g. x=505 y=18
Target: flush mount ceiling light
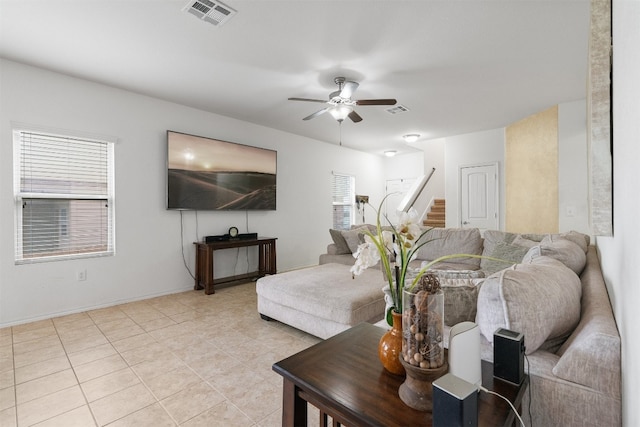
x=390 y=153
x=412 y=137
x=340 y=112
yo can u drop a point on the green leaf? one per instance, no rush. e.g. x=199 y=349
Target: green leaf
x=390 y=316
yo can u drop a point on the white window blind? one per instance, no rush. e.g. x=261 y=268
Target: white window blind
x=343 y=201
x=64 y=197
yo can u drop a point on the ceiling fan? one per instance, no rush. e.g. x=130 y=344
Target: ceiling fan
x=340 y=102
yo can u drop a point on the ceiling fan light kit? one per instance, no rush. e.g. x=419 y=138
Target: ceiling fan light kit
x=340 y=112
x=340 y=102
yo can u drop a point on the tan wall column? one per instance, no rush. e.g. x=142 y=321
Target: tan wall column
x=531 y=169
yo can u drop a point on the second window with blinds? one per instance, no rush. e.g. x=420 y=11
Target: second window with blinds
x=344 y=193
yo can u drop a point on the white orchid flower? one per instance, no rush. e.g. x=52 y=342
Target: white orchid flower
x=366 y=256
x=381 y=243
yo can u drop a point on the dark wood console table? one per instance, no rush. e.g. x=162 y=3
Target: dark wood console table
x=204 y=261
x=344 y=378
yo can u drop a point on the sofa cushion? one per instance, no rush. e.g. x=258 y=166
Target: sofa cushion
x=449 y=241
x=593 y=360
x=565 y=251
x=540 y=298
x=582 y=240
x=493 y=238
x=460 y=289
x=354 y=237
x=460 y=300
x=523 y=241
x=591 y=355
x=511 y=253
x=340 y=243
x=445 y=275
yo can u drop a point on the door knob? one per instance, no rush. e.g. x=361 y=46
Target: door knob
x=465 y=222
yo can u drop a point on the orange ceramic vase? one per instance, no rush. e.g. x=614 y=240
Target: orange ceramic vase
x=390 y=347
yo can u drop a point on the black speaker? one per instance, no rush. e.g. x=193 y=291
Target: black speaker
x=455 y=402
x=508 y=356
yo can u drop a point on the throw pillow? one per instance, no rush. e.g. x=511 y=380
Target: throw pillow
x=490 y=239
x=522 y=241
x=579 y=239
x=540 y=299
x=565 y=251
x=460 y=300
x=354 y=238
x=341 y=244
x=449 y=241
x=510 y=253
x=444 y=274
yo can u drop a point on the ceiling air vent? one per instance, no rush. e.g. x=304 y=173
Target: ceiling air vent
x=213 y=12
x=398 y=108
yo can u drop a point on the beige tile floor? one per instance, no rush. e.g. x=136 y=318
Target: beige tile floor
x=187 y=359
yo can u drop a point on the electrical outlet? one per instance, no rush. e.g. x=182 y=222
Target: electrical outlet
x=571 y=211
x=81 y=275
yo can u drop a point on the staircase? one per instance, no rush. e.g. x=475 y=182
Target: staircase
x=435 y=216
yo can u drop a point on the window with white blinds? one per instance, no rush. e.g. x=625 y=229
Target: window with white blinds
x=63 y=196
x=344 y=195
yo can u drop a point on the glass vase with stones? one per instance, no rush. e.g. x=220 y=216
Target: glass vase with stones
x=422 y=347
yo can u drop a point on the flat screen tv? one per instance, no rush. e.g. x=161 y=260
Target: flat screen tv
x=209 y=174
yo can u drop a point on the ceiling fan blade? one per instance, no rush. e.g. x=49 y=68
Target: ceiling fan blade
x=376 y=102
x=307 y=99
x=348 y=89
x=355 y=117
x=317 y=113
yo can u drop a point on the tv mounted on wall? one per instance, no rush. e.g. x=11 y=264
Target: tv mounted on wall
x=209 y=174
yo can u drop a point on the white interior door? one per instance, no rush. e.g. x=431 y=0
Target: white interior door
x=479 y=197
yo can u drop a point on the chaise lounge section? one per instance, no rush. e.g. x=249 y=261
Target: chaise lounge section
x=323 y=300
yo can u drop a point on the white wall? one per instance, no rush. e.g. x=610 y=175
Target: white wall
x=573 y=178
x=148 y=258
x=619 y=254
x=433 y=158
x=489 y=146
x=466 y=150
x=408 y=166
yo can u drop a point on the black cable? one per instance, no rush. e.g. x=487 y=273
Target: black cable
x=513 y=408
x=197 y=233
x=246 y=249
x=184 y=259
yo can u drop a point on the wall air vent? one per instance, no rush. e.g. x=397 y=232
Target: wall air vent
x=213 y=12
x=398 y=108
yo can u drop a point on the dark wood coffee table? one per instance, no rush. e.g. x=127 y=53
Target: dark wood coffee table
x=343 y=377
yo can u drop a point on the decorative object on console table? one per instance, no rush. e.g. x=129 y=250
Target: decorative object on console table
x=390 y=347
x=394 y=247
x=399 y=243
x=423 y=346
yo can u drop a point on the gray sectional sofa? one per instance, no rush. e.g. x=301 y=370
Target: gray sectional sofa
x=554 y=293
x=552 y=290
